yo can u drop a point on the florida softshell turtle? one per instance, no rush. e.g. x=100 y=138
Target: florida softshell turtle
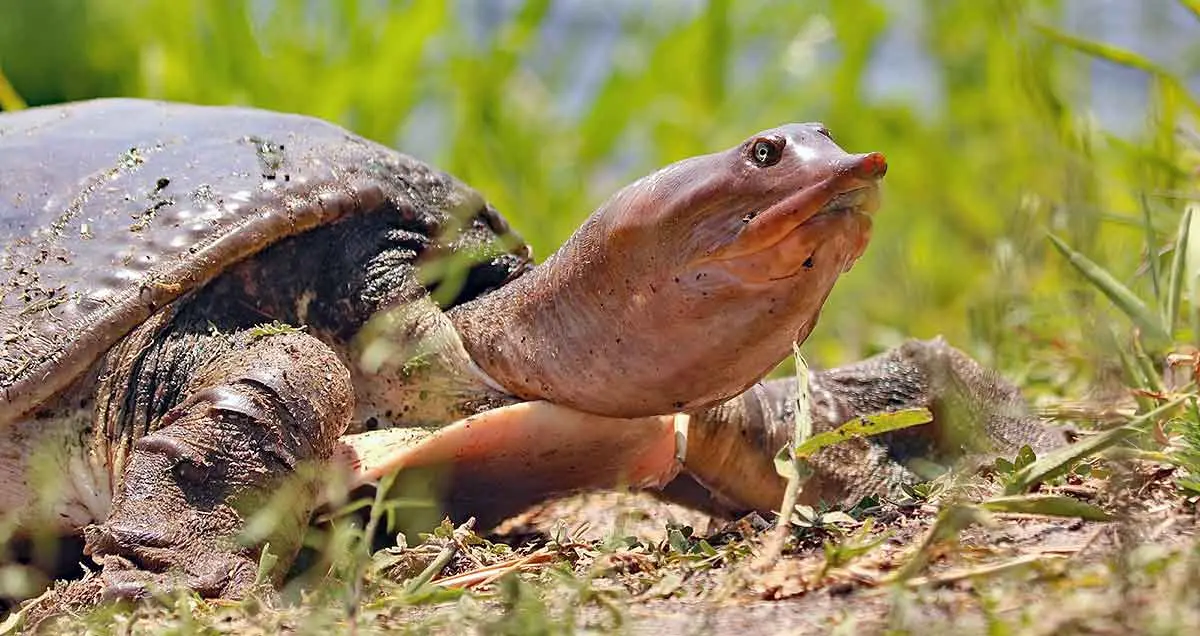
x=202 y=303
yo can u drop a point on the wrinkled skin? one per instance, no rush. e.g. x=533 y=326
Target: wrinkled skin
x=687 y=286
x=263 y=409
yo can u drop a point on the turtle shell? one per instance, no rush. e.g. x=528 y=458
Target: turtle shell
x=111 y=209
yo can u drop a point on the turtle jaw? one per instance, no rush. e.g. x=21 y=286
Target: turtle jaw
x=834 y=236
x=777 y=242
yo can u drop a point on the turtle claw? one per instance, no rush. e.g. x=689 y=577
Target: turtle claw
x=213 y=575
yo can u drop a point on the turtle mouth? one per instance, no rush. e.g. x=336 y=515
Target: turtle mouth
x=851 y=187
x=861 y=199
x=807 y=232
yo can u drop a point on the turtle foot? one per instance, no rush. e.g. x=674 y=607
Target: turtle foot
x=730 y=470
x=242 y=448
x=129 y=573
x=120 y=580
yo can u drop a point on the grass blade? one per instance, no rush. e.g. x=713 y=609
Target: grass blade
x=1136 y=380
x=1060 y=461
x=864 y=426
x=1151 y=247
x=1047 y=505
x=1103 y=51
x=804 y=425
x=9 y=98
x=1122 y=57
x=792 y=466
x=1178 y=261
x=1149 y=371
x=1119 y=294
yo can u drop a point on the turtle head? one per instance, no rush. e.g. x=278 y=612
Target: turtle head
x=740 y=221
x=690 y=284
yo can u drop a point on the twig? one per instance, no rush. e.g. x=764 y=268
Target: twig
x=442 y=560
x=488 y=574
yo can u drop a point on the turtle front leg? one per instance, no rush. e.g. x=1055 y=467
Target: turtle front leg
x=729 y=467
x=248 y=422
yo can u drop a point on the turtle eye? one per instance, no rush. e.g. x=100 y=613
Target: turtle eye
x=825 y=131
x=766 y=152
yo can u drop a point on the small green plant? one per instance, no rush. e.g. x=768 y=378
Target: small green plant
x=858 y=544
x=1024 y=457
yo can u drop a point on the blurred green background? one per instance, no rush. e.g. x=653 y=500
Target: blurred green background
x=999 y=124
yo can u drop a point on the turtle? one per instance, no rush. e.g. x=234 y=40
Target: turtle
x=204 y=305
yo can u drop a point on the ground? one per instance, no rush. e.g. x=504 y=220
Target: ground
x=606 y=563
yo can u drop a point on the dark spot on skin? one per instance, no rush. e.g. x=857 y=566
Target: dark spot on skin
x=677 y=279
x=808 y=263
x=192 y=473
x=618 y=341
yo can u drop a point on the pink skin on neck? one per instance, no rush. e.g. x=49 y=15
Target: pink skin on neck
x=687 y=286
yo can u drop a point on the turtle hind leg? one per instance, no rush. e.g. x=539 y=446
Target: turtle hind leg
x=729 y=468
x=248 y=420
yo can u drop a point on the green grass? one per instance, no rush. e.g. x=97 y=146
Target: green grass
x=975 y=182
x=1055 y=250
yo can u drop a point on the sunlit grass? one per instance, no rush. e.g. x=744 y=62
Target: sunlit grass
x=1011 y=218
x=1003 y=150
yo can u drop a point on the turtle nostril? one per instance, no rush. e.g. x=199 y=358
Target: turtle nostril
x=873 y=165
